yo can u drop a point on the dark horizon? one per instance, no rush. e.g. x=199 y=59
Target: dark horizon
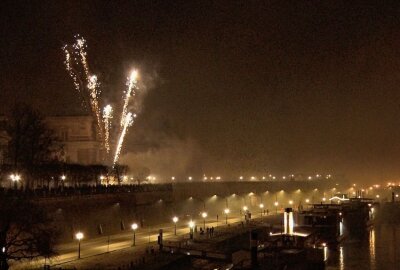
x=275 y=87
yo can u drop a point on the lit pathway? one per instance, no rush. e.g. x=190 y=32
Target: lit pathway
x=99 y=245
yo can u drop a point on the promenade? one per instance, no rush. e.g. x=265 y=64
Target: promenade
x=111 y=252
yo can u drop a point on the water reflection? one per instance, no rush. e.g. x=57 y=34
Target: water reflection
x=376 y=249
x=372 y=247
x=341 y=261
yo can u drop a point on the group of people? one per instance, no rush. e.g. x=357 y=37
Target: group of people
x=209 y=231
x=66 y=190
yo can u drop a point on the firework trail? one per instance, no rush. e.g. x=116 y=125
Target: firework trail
x=87 y=85
x=92 y=84
x=107 y=116
x=126 y=117
x=94 y=102
x=77 y=66
x=132 y=85
x=73 y=73
x=128 y=122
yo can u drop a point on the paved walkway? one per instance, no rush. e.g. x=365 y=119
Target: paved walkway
x=119 y=248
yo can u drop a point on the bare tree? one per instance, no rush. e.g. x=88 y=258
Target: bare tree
x=142 y=175
x=26 y=231
x=119 y=171
x=31 y=141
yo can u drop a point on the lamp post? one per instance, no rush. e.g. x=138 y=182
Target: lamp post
x=134 y=227
x=204 y=215
x=191 y=226
x=63 y=178
x=15 y=178
x=79 y=236
x=175 y=220
x=226 y=211
x=245 y=213
x=261 y=209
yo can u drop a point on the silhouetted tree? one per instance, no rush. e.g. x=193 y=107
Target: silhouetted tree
x=141 y=175
x=26 y=231
x=119 y=171
x=31 y=141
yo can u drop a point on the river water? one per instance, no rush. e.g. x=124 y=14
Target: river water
x=378 y=248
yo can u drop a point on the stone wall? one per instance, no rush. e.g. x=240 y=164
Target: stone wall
x=115 y=212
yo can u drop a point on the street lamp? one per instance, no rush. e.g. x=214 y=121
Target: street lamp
x=63 y=178
x=134 y=227
x=261 y=208
x=226 y=211
x=102 y=178
x=15 y=178
x=204 y=215
x=79 y=236
x=191 y=226
x=245 y=212
x=175 y=220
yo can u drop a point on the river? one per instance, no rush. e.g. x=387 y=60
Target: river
x=378 y=248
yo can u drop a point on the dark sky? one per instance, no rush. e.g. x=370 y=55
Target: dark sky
x=232 y=88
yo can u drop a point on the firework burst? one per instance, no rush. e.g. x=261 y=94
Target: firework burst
x=87 y=84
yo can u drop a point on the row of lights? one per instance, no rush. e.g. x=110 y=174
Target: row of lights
x=16 y=177
x=79 y=236
x=205 y=178
x=190 y=178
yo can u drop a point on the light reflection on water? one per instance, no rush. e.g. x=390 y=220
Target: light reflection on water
x=341 y=262
x=378 y=249
x=371 y=238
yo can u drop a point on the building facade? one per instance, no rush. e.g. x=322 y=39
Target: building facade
x=81 y=143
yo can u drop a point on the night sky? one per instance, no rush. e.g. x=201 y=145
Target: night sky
x=250 y=87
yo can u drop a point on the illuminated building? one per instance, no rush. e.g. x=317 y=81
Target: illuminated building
x=81 y=144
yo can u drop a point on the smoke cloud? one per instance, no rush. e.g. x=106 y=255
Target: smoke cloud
x=173 y=157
